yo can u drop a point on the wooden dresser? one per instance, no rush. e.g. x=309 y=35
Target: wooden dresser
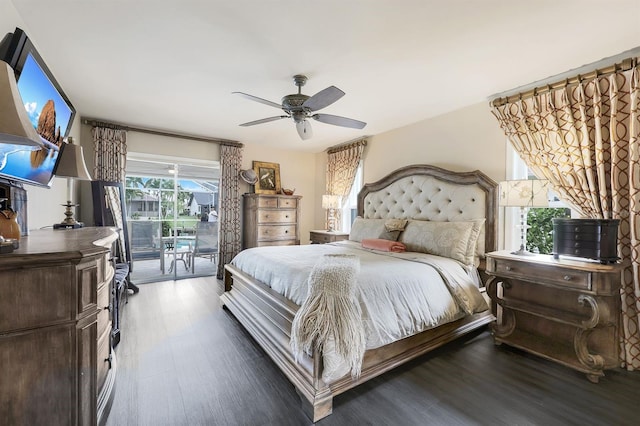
x=566 y=311
x=271 y=220
x=55 y=328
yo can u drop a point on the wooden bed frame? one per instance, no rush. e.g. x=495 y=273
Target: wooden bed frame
x=268 y=316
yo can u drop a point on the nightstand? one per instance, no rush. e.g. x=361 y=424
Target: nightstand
x=321 y=236
x=563 y=310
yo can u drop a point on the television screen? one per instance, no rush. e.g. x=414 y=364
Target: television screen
x=48 y=109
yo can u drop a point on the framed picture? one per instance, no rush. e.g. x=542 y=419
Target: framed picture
x=268 y=177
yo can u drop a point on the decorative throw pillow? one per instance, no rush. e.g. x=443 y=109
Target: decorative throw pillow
x=395 y=224
x=366 y=228
x=392 y=229
x=446 y=239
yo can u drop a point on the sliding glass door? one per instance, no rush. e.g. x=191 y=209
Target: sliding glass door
x=172 y=217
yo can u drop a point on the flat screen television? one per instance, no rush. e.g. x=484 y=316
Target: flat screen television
x=49 y=110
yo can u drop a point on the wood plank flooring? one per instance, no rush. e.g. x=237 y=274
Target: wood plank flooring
x=183 y=360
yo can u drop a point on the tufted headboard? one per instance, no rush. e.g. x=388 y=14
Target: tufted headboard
x=426 y=192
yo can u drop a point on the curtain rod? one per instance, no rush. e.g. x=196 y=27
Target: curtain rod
x=621 y=62
x=93 y=122
x=347 y=145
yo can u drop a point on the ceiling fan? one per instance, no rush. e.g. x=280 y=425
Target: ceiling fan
x=302 y=107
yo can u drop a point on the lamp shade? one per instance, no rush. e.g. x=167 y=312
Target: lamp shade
x=15 y=127
x=524 y=193
x=331 y=201
x=72 y=164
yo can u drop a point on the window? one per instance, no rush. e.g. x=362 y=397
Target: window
x=350 y=209
x=539 y=237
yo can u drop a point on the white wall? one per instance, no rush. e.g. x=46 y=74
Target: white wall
x=463 y=140
x=297 y=170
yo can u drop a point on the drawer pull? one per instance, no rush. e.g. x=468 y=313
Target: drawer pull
x=508 y=268
x=567 y=278
x=286 y=231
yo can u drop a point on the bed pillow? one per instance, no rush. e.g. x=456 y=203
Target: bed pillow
x=446 y=239
x=366 y=228
x=473 y=249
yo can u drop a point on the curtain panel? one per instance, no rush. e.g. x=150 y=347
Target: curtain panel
x=342 y=165
x=110 y=154
x=230 y=232
x=584 y=138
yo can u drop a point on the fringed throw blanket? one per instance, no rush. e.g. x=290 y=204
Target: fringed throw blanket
x=331 y=312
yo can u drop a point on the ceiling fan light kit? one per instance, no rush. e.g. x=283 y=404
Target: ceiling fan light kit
x=301 y=107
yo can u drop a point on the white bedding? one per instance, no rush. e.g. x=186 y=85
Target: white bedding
x=400 y=294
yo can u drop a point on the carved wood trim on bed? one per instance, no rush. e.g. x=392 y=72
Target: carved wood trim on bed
x=268 y=316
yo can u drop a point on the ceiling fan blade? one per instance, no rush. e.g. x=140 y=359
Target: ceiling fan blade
x=257 y=99
x=264 y=120
x=304 y=129
x=323 y=98
x=336 y=120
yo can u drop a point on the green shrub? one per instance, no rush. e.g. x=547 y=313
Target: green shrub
x=540 y=232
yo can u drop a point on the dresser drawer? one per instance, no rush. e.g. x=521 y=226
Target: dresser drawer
x=267 y=203
x=277 y=216
x=276 y=232
x=291 y=242
x=287 y=203
x=104 y=351
x=557 y=276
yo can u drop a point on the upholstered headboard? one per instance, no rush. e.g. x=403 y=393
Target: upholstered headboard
x=426 y=192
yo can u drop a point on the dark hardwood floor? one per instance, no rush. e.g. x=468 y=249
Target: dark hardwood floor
x=183 y=360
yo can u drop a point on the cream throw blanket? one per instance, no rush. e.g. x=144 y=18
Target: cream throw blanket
x=331 y=312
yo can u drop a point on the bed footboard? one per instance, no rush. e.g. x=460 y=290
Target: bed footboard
x=268 y=316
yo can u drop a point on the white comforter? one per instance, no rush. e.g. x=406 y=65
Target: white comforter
x=401 y=294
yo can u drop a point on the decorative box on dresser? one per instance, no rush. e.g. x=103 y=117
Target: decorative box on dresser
x=565 y=310
x=271 y=220
x=56 y=361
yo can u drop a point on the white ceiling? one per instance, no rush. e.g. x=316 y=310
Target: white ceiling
x=172 y=65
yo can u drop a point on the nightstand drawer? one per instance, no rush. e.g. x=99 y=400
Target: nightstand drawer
x=322 y=238
x=558 y=276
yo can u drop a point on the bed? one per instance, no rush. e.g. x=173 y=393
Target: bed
x=422 y=194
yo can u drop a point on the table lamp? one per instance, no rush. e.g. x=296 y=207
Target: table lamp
x=524 y=193
x=15 y=127
x=331 y=202
x=72 y=167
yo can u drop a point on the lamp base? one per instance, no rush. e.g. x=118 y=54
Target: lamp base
x=68 y=226
x=69 y=222
x=523 y=252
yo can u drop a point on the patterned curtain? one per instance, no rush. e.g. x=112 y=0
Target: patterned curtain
x=342 y=165
x=230 y=242
x=584 y=138
x=110 y=153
